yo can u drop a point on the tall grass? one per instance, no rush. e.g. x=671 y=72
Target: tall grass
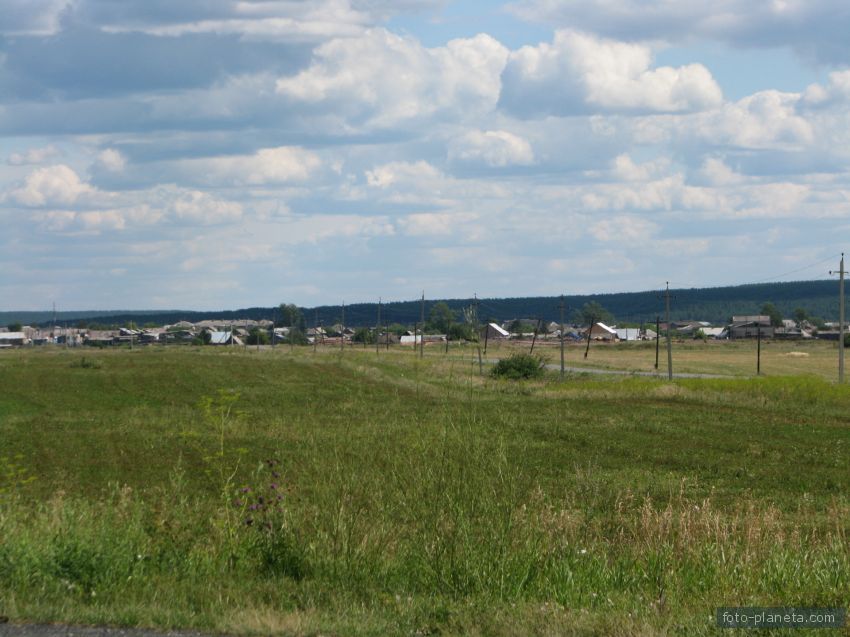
x=471 y=509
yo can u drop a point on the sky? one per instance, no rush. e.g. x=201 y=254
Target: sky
x=218 y=154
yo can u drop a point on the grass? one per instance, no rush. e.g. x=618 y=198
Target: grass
x=417 y=497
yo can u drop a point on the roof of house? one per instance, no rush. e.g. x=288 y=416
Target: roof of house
x=498 y=329
x=610 y=330
x=219 y=338
x=12 y=336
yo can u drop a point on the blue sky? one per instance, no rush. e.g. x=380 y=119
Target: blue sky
x=214 y=155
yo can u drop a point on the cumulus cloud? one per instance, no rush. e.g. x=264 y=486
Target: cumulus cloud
x=496 y=148
x=580 y=71
x=279 y=165
x=51 y=186
x=166 y=205
x=767 y=119
x=111 y=160
x=385 y=79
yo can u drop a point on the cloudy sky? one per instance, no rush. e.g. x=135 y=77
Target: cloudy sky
x=215 y=154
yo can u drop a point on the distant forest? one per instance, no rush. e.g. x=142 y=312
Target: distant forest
x=717 y=305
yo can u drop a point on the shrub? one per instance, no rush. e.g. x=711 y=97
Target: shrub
x=519 y=367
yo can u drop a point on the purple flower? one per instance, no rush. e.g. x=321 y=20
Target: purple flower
x=238 y=503
x=273 y=486
x=245 y=490
x=253 y=507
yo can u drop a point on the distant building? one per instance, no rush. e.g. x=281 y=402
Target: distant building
x=601 y=332
x=13 y=339
x=750 y=327
x=493 y=332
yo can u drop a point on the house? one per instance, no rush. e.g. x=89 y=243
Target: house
x=493 y=332
x=12 y=339
x=223 y=338
x=601 y=332
x=100 y=338
x=629 y=334
x=750 y=326
x=715 y=332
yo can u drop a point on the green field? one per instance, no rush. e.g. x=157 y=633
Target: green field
x=292 y=492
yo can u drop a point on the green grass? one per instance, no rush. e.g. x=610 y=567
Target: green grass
x=418 y=497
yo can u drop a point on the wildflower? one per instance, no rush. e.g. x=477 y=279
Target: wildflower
x=249 y=521
x=238 y=503
x=273 y=486
x=245 y=490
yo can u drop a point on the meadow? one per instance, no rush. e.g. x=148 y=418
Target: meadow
x=294 y=492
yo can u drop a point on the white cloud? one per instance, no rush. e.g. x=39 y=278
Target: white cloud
x=401 y=173
x=33 y=156
x=384 y=79
x=494 y=148
x=579 y=71
x=279 y=165
x=717 y=173
x=767 y=119
x=626 y=169
x=815 y=28
x=55 y=185
x=111 y=160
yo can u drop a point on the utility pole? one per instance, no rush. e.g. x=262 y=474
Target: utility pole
x=477 y=334
x=669 y=342
x=342 y=330
x=422 y=323
x=561 y=306
x=841 y=273
x=315 y=330
x=53 y=332
x=534 y=338
x=378 y=329
x=758 y=348
x=657 y=338
x=589 y=330
x=448 y=330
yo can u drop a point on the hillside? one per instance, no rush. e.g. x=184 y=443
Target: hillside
x=818 y=298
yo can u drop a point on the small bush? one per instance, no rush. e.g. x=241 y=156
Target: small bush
x=519 y=367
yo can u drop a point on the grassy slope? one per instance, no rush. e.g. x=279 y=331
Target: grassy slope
x=419 y=496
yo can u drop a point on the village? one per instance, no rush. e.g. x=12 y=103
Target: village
x=246 y=332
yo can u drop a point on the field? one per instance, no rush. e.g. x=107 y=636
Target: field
x=295 y=492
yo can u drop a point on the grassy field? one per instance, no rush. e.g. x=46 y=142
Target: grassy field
x=733 y=358
x=292 y=492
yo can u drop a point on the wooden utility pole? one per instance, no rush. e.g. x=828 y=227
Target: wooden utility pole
x=589 y=330
x=477 y=334
x=657 y=338
x=758 y=348
x=378 y=329
x=669 y=342
x=342 y=329
x=315 y=330
x=534 y=338
x=422 y=323
x=562 y=308
x=841 y=273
